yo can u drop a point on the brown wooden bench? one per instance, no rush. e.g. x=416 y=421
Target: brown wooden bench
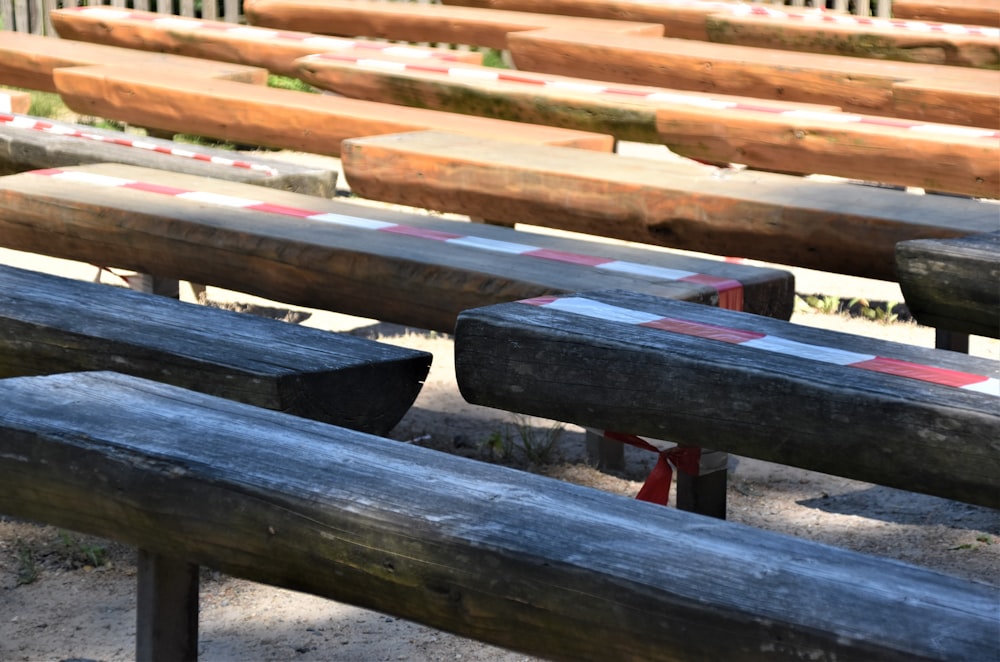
x=424 y=23
x=789 y=28
x=973 y=12
x=836 y=227
x=50 y=324
x=275 y=50
x=856 y=85
x=259 y=115
x=415 y=270
x=917 y=419
x=951 y=284
x=514 y=559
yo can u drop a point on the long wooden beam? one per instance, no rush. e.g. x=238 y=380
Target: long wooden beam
x=404 y=268
x=273 y=117
x=514 y=559
x=974 y=12
x=854 y=84
x=742 y=384
x=789 y=28
x=275 y=50
x=841 y=228
x=427 y=23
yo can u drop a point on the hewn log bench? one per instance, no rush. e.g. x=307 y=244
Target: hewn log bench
x=973 y=12
x=839 y=228
x=32 y=143
x=795 y=29
x=952 y=285
x=484 y=551
x=424 y=23
x=51 y=324
x=260 y=115
x=12 y=101
x=857 y=85
x=917 y=419
x=404 y=268
x=768 y=135
x=275 y=50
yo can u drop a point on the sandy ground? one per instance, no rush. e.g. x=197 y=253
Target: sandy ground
x=64 y=596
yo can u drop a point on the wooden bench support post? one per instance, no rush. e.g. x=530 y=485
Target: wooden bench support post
x=705 y=493
x=166 y=609
x=951 y=340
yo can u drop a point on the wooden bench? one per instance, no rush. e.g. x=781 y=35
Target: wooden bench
x=973 y=12
x=917 y=419
x=32 y=143
x=275 y=50
x=514 y=559
x=259 y=115
x=841 y=228
x=788 y=28
x=51 y=324
x=404 y=268
x=12 y=101
x=769 y=135
x=433 y=23
x=951 y=95
x=951 y=284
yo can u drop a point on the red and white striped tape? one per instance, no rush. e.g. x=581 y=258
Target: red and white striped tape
x=470 y=73
x=730 y=290
x=28 y=123
x=320 y=43
x=769 y=343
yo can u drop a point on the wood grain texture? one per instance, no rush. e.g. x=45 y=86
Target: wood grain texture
x=789 y=409
x=854 y=84
x=273 y=117
x=953 y=284
x=382 y=275
x=973 y=12
x=841 y=228
x=433 y=23
x=212 y=40
x=510 y=558
x=50 y=324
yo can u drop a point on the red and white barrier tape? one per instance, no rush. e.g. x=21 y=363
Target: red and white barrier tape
x=656 y=488
x=21 y=122
x=775 y=344
x=320 y=43
x=471 y=73
x=730 y=290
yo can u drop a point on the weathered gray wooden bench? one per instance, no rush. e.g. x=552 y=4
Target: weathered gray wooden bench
x=835 y=227
x=953 y=285
x=917 y=419
x=50 y=324
x=510 y=558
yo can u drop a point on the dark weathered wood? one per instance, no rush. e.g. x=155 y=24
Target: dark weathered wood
x=514 y=559
x=387 y=275
x=426 y=23
x=796 y=408
x=953 y=284
x=31 y=143
x=50 y=324
x=166 y=609
x=841 y=228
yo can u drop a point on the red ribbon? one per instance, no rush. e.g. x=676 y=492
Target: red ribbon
x=656 y=489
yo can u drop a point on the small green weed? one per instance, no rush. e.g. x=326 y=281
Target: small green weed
x=80 y=553
x=27 y=565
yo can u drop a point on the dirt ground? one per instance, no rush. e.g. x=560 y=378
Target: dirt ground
x=64 y=596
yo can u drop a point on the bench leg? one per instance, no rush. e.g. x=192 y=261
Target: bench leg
x=166 y=609
x=487 y=221
x=166 y=287
x=705 y=493
x=951 y=340
x=607 y=454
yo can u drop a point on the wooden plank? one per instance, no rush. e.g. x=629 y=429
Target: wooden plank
x=50 y=324
x=226 y=42
x=954 y=100
x=29 y=61
x=972 y=12
x=855 y=84
x=273 y=117
x=742 y=384
x=952 y=284
x=12 y=101
x=410 y=532
x=32 y=143
x=403 y=268
x=841 y=228
x=421 y=22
